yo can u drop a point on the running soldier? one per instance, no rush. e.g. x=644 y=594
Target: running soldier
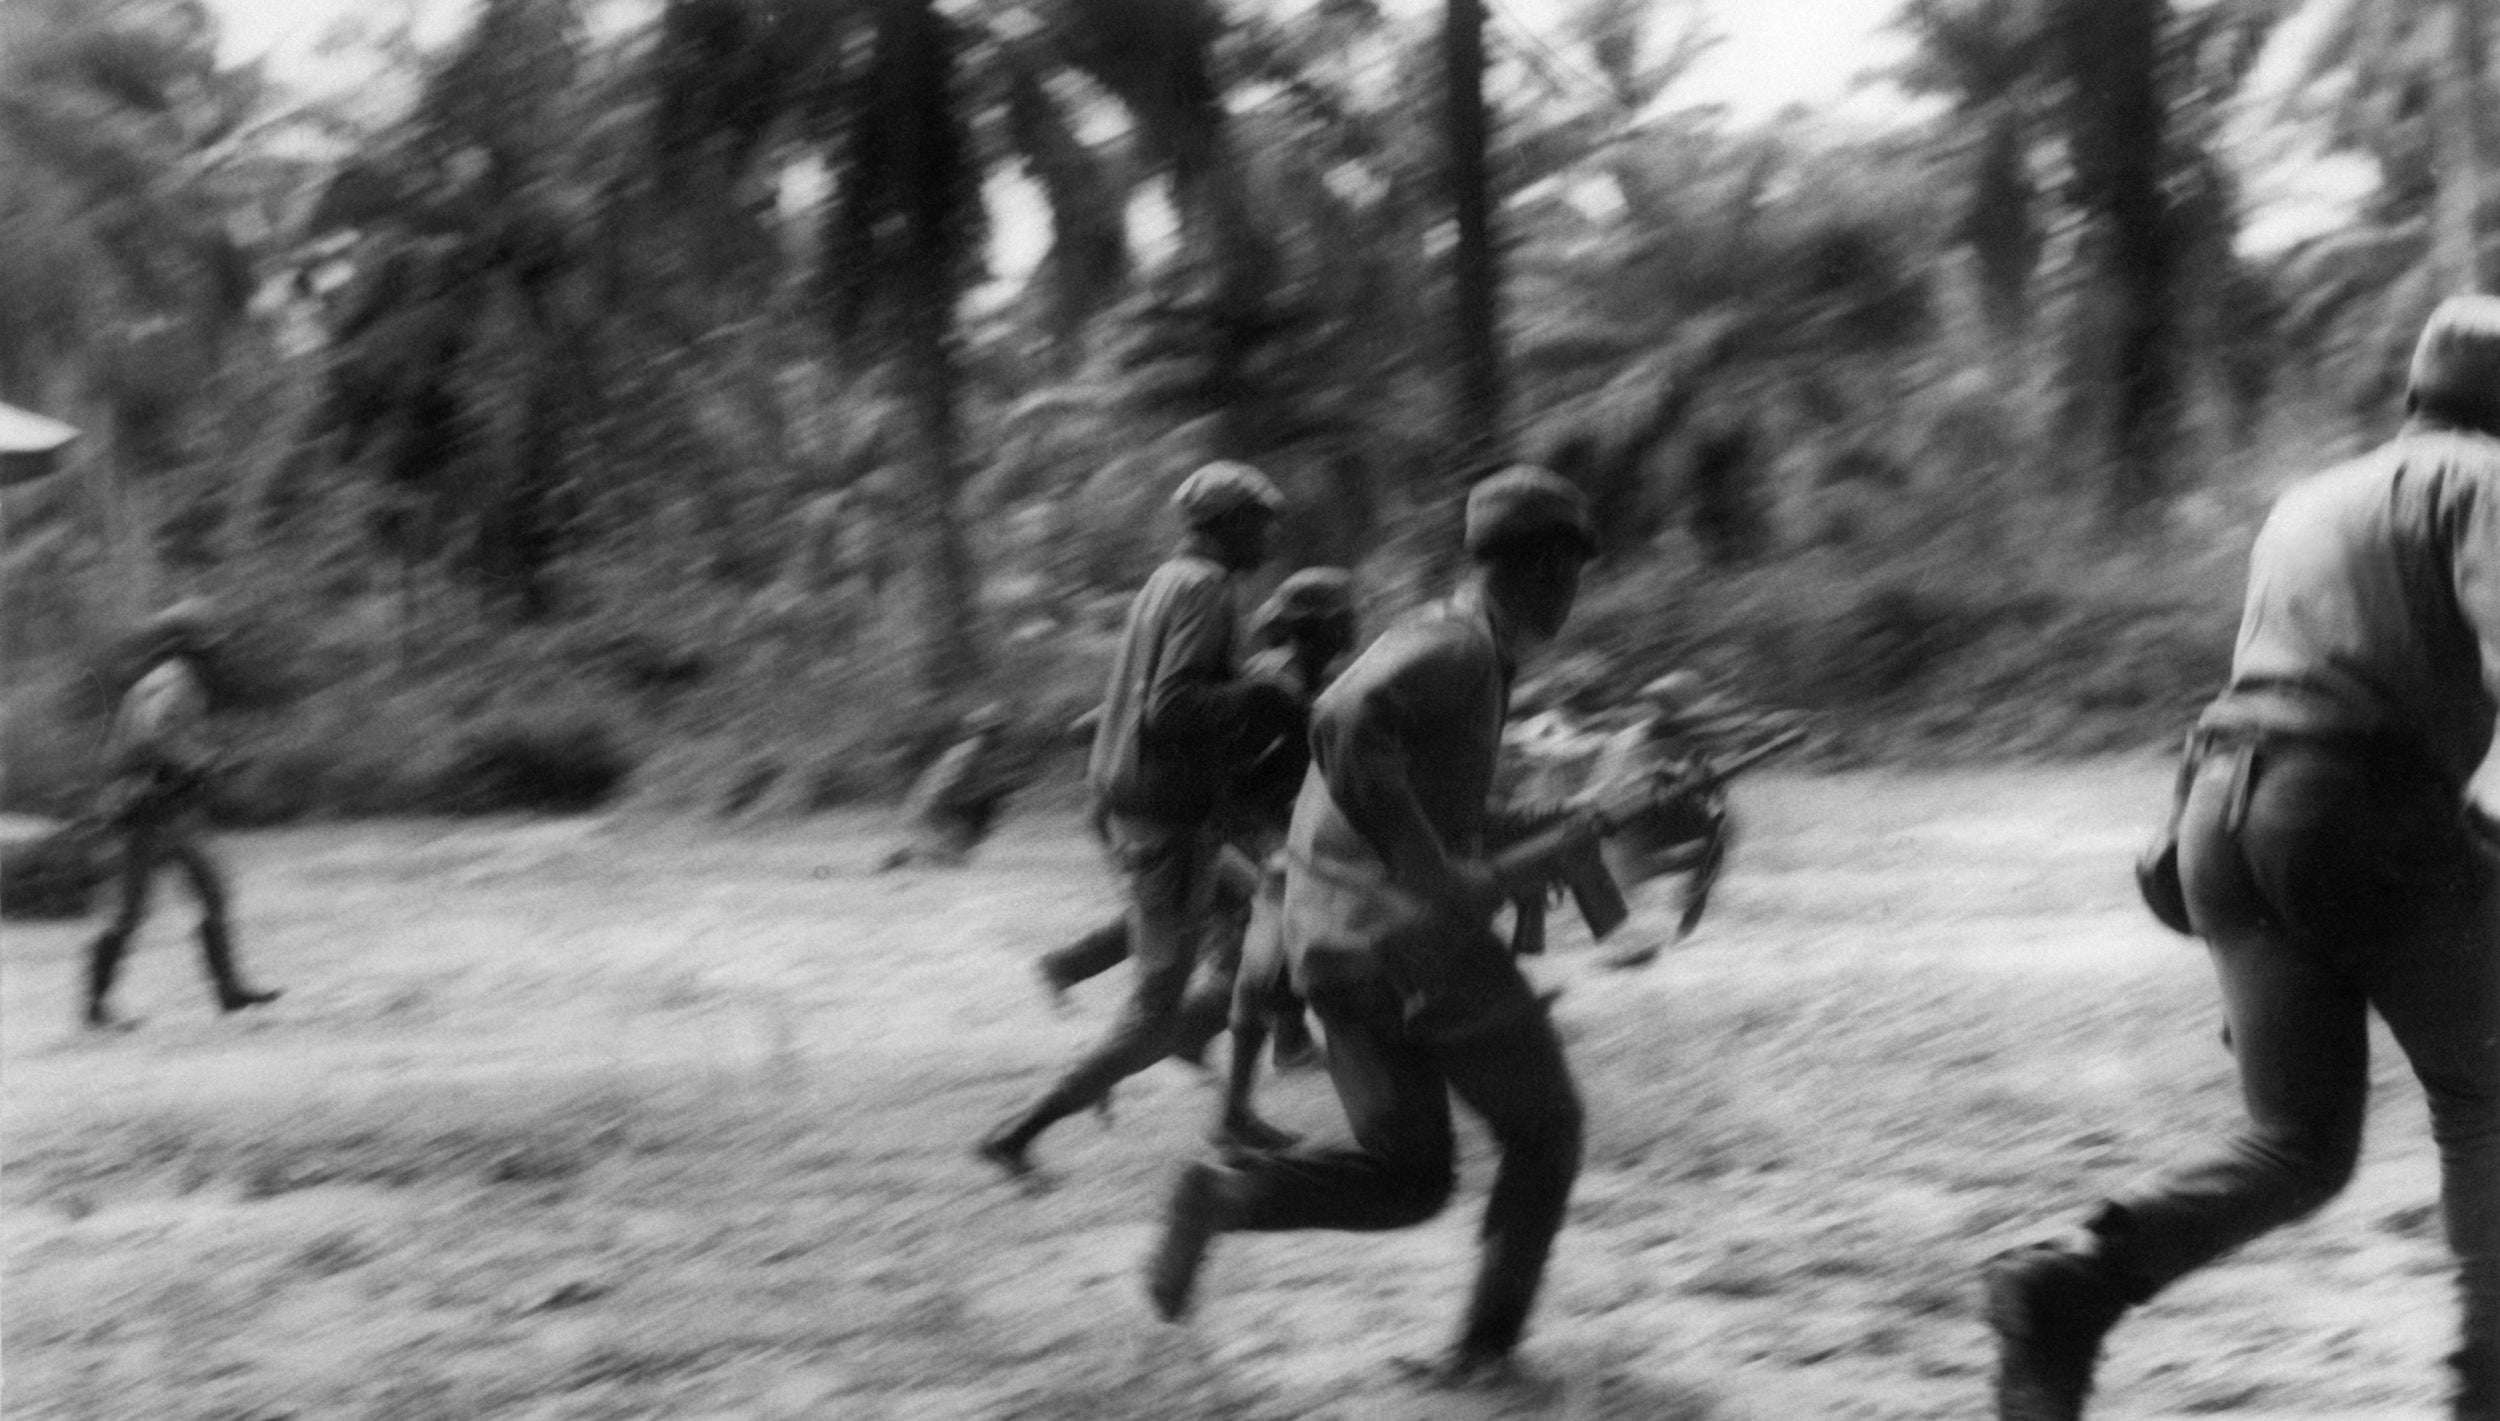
x=955 y=802
x=2327 y=852
x=1387 y=921
x=156 y=802
x=1175 y=715
x=1304 y=631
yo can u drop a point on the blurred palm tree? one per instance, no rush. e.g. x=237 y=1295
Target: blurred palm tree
x=126 y=162
x=908 y=107
x=461 y=351
x=2404 y=83
x=1985 y=58
x=2121 y=100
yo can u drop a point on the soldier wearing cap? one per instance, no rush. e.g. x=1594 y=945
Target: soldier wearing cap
x=1303 y=631
x=161 y=765
x=1175 y=715
x=954 y=802
x=1387 y=927
x=2336 y=850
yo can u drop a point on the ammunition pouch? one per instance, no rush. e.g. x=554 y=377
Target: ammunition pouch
x=2157 y=867
x=150 y=791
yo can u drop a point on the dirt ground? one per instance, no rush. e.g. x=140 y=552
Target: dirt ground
x=611 y=1118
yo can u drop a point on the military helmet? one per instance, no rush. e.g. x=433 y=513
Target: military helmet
x=1522 y=502
x=189 y=624
x=1314 y=594
x=2456 y=364
x=1224 y=487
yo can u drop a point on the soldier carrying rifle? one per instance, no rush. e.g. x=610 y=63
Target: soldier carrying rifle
x=1177 y=712
x=1390 y=890
x=157 y=802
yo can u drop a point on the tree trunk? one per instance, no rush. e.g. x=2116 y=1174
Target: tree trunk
x=916 y=67
x=2457 y=232
x=1998 y=226
x=1475 y=283
x=2120 y=150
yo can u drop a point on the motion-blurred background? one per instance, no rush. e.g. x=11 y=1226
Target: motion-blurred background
x=702 y=400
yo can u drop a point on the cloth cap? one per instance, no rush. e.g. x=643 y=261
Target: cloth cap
x=1223 y=487
x=2456 y=364
x=189 y=627
x=1314 y=594
x=190 y=617
x=1524 y=501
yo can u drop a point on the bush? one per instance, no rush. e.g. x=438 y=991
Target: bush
x=50 y=761
x=559 y=762
x=53 y=877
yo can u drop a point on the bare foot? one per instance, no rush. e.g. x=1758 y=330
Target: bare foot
x=1247 y=1134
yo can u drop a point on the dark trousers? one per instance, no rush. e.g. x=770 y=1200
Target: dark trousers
x=1206 y=1000
x=2328 y=882
x=1171 y=879
x=1396 y=1087
x=150 y=840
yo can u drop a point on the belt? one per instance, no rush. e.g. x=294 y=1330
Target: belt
x=2395 y=757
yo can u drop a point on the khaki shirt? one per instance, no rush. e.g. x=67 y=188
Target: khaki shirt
x=1403 y=748
x=1174 y=709
x=2374 y=606
x=161 y=721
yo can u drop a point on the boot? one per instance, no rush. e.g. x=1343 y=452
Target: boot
x=1190 y=1223
x=217 y=947
x=2050 y=1307
x=1243 y=1131
x=1006 y=1147
x=2478 y=1385
x=104 y=961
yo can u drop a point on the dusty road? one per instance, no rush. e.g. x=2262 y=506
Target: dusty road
x=614 y=1119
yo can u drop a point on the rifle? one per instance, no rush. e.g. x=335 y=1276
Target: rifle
x=1567 y=854
x=1710 y=778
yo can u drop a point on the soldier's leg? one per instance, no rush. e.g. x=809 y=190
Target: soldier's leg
x=1238 y=1125
x=2440 y=994
x=139 y=852
x=187 y=847
x=2299 y=1029
x=1398 y=1171
x=1087 y=957
x=1169 y=874
x=1207 y=1004
x=1515 y=1077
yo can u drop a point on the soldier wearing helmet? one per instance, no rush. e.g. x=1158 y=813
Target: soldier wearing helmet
x=1303 y=631
x=1175 y=716
x=955 y=802
x=161 y=764
x=2334 y=845
x=1386 y=924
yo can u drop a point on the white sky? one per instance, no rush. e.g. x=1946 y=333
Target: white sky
x=1777 y=52
x=1773 y=53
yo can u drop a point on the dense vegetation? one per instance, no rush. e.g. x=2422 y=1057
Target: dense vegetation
x=674 y=391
